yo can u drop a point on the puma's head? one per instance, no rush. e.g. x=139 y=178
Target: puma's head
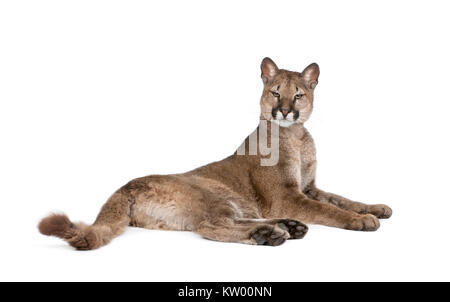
x=288 y=96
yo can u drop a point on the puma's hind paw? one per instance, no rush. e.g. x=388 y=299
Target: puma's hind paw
x=296 y=229
x=269 y=235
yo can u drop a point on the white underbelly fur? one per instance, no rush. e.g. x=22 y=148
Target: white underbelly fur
x=163 y=215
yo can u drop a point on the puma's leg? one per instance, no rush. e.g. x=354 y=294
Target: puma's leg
x=378 y=210
x=300 y=207
x=295 y=228
x=249 y=233
x=253 y=231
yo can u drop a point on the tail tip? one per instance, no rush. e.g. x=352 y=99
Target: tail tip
x=54 y=225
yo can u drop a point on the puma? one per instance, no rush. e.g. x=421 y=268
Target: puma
x=236 y=199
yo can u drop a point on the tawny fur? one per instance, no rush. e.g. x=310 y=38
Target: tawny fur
x=236 y=199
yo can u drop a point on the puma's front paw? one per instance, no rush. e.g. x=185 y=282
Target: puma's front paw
x=269 y=235
x=380 y=210
x=366 y=222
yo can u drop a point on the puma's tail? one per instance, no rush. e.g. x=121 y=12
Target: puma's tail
x=78 y=235
x=111 y=222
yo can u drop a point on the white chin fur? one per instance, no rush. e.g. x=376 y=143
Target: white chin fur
x=284 y=122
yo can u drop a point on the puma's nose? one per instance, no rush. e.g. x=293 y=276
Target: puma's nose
x=285 y=111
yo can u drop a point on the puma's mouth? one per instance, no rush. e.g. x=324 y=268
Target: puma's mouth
x=285 y=120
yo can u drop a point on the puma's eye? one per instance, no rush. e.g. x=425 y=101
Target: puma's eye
x=275 y=94
x=297 y=97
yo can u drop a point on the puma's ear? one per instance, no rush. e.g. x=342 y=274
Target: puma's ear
x=311 y=75
x=268 y=70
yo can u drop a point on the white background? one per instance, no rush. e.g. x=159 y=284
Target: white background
x=95 y=93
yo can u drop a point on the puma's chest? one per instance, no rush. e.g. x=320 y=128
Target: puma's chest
x=298 y=155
